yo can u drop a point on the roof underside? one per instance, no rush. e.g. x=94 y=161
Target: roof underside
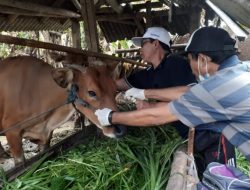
x=118 y=19
x=34 y=24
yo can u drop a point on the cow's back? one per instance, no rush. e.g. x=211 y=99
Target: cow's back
x=26 y=85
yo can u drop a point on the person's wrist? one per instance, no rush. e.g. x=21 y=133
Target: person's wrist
x=110 y=117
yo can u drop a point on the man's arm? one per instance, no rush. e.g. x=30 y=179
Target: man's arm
x=166 y=94
x=145 y=117
x=140 y=104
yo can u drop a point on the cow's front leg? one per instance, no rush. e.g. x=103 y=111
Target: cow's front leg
x=15 y=142
x=45 y=143
x=43 y=147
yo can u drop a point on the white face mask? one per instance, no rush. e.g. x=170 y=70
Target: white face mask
x=201 y=77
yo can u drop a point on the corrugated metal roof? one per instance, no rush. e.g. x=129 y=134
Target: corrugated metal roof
x=116 y=31
x=34 y=24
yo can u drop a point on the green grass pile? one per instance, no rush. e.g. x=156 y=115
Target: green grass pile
x=138 y=161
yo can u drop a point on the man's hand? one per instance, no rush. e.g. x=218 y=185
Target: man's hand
x=103 y=116
x=135 y=93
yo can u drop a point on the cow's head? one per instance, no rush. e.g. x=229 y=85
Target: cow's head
x=97 y=89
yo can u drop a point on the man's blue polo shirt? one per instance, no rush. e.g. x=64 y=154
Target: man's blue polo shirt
x=172 y=71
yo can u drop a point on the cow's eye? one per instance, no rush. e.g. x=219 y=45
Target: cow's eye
x=92 y=93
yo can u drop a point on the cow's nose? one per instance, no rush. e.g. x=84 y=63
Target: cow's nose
x=120 y=130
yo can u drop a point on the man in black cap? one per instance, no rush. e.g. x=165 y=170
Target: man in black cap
x=220 y=101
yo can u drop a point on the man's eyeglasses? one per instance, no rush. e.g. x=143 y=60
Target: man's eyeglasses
x=144 y=41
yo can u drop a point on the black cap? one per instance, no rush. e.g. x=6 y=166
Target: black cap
x=209 y=39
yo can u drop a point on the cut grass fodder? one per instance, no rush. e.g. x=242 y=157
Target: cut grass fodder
x=141 y=160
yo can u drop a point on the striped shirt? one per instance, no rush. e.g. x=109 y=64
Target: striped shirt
x=221 y=102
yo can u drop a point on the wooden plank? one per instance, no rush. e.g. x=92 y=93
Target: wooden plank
x=90 y=29
x=45 y=45
x=39 y=8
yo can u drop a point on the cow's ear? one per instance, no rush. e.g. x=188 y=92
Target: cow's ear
x=63 y=76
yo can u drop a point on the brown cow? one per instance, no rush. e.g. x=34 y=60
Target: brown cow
x=28 y=89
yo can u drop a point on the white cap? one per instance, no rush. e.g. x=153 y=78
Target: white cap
x=157 y=33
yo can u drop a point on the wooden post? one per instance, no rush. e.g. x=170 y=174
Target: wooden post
x=76 y=36
x=89 y=18
x=195 y=16
x=177 y=179
x=148 y=12
x=191 y=133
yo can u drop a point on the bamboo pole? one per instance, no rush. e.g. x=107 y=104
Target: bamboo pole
x=50 y=46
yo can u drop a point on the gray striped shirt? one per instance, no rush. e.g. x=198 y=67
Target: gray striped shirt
x=222 y=103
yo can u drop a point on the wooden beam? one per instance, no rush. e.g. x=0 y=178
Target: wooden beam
x=76 y=36
x=121 y=22
x=115 y=6
x=39 y=8
x=50 y=46
x=56 y=3
x=135 y=7
x=76 y=4
x=89 y=18
x=12 y=18
x=14 y=11
x=138 y=15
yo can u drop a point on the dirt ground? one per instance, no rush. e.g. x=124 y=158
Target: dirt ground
x=31 y=149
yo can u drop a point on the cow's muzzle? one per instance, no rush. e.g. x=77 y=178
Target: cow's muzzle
x=120 y=130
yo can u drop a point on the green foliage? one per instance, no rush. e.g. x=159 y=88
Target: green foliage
x=242 y=163
x=83 y=41
x=141 y=160
x=4 y=50
x=122 y=44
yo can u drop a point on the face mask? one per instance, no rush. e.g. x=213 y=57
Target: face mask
x=201 y=77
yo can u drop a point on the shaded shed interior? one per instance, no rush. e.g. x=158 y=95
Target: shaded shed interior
x=118 y=19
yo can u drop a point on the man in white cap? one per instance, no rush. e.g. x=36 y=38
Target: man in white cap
x=167 y=70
